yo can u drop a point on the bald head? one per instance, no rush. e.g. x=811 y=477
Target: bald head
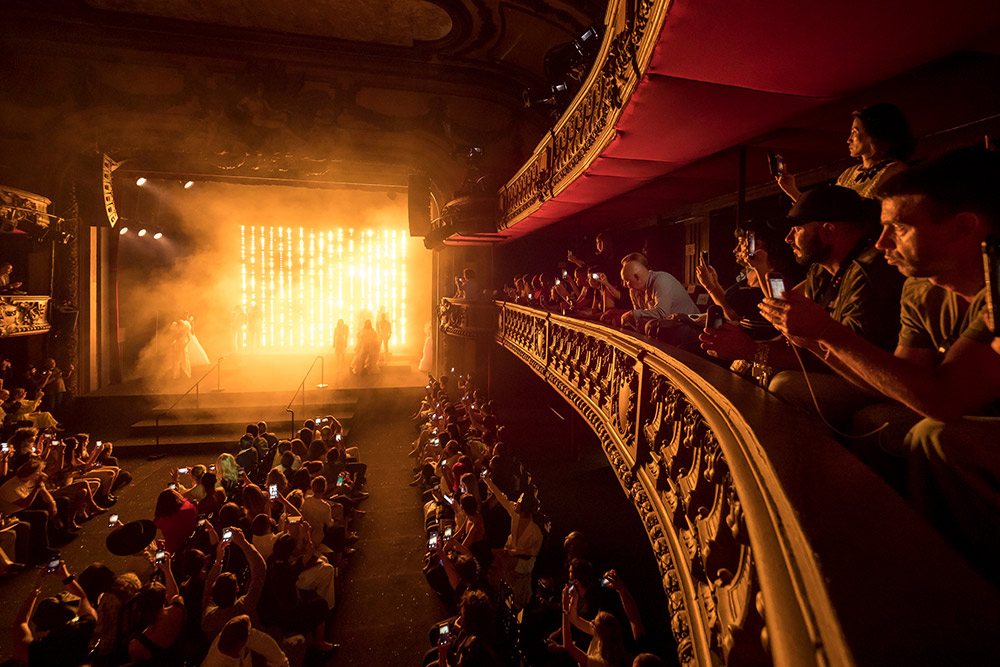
x=634 y=275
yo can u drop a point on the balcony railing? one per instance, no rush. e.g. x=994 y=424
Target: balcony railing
x=23 y=315
x=468 y=319
x=775 y=545
x=632 y=28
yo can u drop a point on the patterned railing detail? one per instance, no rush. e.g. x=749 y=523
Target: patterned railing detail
x=672 y=466
x=589 y=123
x=23 y=315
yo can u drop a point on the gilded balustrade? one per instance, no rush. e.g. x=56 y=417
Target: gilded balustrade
x=735 y=491
x=632 y=28
x=23 y=315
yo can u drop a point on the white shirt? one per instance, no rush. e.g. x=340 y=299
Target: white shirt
x=258 y=642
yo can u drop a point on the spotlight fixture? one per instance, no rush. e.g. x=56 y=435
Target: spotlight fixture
x=123 y=231
x=189 y=185
x=140 y=181
x=158 y=235
x=142 y=232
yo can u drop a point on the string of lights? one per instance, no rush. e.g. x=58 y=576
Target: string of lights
x=303 y=280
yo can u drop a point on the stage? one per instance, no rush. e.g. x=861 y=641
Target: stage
x=148 y=416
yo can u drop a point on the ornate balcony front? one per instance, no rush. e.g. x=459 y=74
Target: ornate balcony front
x=23 y=315
x=468 y=319
x=775 y=545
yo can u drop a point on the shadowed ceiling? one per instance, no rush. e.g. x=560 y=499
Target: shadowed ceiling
x=335 y=93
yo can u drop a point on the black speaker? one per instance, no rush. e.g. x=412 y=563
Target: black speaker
x=93 y=192
x=418 y=193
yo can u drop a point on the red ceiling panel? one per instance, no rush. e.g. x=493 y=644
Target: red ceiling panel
x=810 y=48
x=676 y=120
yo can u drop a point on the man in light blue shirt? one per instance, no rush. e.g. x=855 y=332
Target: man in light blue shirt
x=655 y=295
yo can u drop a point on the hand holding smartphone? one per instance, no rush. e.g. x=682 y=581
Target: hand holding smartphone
x=776 y=285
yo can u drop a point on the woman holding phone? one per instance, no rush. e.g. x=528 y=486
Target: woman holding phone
x=880 y=139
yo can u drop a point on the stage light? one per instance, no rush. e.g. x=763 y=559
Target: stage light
x=123 y=231
x=142 y=232
x=141 y=181
x=158 y=235
x=189 y=185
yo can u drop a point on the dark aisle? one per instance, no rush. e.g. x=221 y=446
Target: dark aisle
x=387 y=607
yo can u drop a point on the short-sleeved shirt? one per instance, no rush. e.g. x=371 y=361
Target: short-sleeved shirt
x=866 y=183
x=866 y=300
x=933 y=318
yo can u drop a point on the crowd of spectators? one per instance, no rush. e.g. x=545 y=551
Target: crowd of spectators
x=888 y=338
x=518 y=596
x=240 y=563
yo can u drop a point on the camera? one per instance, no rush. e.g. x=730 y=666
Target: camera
x=112 y=520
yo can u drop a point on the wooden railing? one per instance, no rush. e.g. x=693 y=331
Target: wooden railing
x=775 y=545
x=632 y=28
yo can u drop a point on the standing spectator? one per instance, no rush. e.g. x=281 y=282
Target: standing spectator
x=517 y=559
x=175 y=517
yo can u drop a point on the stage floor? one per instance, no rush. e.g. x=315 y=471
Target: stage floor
x=246 y=373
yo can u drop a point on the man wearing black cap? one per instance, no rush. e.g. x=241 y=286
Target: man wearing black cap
x=831 y=230
x=934 y=219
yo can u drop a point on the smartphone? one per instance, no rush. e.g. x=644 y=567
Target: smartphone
x=595 y=276
x=227 y=534
x=558 y=281
x=339 y=437
x=112 y=521
x=211 y=468
x=565 y=273
x=484 y=473
x=751 y=244
x=172 y=485
x=432 y=541
x=716 y=317
x=53 y=565
x=340 y=479
x=294 y=519
x=704 y=257
x=991 y=265
x=448 y=499
x=161 y=557
x=776 y=164
x=183 y=471
x=272 y=491
x=572 y=587
x=448 y=531
x=202 y=520
x=776 y=285
x=444 y=634
x=605 y=582
x=5 y=447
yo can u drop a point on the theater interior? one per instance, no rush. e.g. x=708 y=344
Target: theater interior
x=237 y=176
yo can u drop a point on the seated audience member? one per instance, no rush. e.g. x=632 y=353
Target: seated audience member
x=176 y=518
x=215 y=496
x=161 y=642
x=24 y=496
x=655 y=295
x=196 y=492
x=517 y=559
x=239 y=644
x=880 y=138
x=471 y=642
x=20 y=409
x=934 y=220
x=830 y=229
x=62 y=634
x=123 y=590
x=222 y=600
x=607 y=646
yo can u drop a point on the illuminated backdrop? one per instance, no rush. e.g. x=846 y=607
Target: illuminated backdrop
x=303 y=280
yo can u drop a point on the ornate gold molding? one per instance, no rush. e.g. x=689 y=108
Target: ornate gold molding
x=23 y=315
x=588 y=125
